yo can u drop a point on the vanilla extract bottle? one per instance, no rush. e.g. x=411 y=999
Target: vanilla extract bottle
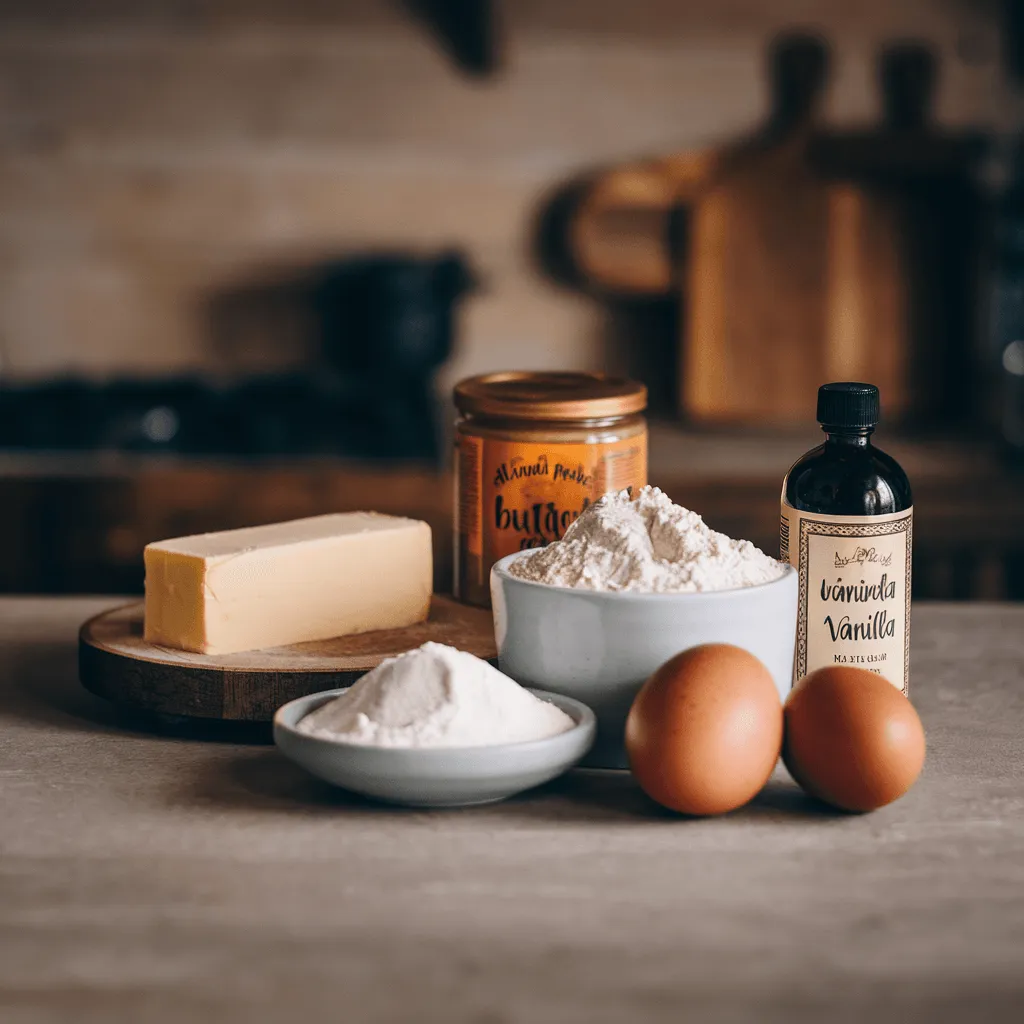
x=847 y=526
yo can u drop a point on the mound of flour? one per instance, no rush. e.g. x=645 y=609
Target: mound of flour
x=649 y=544
x=435 y=696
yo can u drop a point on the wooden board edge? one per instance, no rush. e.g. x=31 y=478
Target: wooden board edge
x=198 y=692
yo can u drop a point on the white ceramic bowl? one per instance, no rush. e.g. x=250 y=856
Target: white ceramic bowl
x=599 y=646
x=436 y=777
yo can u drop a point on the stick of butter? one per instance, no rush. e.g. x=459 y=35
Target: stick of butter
x=309 y=579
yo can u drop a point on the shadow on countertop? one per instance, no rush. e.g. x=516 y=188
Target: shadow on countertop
x=265 y=780
x=45 y=690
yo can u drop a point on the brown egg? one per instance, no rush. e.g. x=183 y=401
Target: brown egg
x=852 y=739
x=705 y=731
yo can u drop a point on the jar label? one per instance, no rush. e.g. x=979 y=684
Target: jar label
x=854 y=606
x=514 y=495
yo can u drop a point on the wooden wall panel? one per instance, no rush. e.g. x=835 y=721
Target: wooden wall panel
x=154 y=155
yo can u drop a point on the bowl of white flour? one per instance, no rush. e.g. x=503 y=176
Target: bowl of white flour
x=633 y=582
x=435 y=727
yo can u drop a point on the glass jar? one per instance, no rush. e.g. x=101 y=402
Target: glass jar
x=532 y=451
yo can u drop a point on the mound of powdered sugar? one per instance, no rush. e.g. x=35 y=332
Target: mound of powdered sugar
x=648 y=544
x=435 y=696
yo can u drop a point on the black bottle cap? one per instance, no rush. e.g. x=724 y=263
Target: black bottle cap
x=848 y=404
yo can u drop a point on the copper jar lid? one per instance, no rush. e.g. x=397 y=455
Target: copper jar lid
x=525 y=395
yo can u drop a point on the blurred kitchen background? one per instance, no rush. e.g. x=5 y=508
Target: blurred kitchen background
x=247 y=247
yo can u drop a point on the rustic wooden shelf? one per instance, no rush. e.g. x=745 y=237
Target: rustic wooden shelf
x=78 y=524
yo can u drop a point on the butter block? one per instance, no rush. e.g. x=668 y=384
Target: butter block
x=309 y=579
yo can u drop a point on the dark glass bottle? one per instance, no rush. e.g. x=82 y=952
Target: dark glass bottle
x=846 y=525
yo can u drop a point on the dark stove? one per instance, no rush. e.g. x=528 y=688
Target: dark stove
x=321 y=414
x=382 y=324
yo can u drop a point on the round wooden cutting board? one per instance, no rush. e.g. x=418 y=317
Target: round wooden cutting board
x=114 y=662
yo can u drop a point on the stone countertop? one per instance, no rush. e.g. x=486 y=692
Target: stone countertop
x=144 y=878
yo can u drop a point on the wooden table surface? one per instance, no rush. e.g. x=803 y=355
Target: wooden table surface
x=144 y=878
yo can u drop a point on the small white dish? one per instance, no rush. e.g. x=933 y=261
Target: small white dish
x=439 y=776
x=600 y=646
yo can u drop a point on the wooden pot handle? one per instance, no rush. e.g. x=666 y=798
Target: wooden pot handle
x=621 y=232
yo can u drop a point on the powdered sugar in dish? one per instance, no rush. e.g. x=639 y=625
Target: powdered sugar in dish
x=649 y=545
x=435 y=696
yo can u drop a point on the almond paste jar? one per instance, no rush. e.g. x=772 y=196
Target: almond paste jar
x=532 y=451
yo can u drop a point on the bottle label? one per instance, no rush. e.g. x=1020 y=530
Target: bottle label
x=854 y=606
x=514 y=495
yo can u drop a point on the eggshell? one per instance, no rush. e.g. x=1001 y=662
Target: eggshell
x=852 y=739
x=705 y=731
